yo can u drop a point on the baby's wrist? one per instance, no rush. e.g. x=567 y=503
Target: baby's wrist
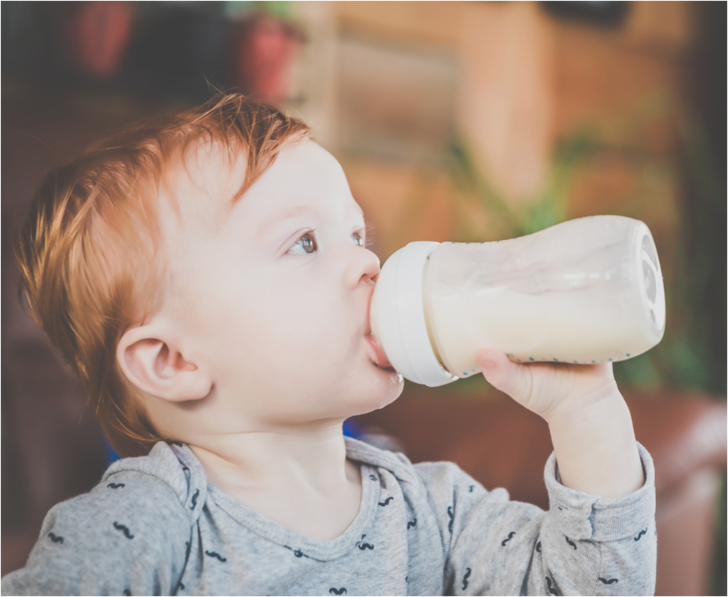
x=579 y=407
x=595 y=445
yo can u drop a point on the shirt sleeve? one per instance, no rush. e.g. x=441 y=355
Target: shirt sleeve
x=583 y=545
x=129 y=536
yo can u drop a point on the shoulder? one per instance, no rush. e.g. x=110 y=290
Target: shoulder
x=144 y=492
x=134 y=493
x=158 y=471
x=170 y=472
x=138 y=507
x=131 y=532
x=434 y=478
x=394 y=462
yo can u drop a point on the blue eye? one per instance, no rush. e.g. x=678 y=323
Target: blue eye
x=359 y=242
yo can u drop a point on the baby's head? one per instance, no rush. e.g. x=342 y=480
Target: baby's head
x=206 y=274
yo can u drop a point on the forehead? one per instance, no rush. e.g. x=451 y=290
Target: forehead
x=303 y=171
x=302 y=174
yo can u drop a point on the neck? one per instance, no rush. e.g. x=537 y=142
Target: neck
x=309 y=457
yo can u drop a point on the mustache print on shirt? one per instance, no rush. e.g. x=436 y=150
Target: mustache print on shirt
x=123 y=529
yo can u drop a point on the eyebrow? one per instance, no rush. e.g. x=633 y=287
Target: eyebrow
x=290 y=213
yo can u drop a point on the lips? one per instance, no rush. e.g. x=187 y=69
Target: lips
x=381 y=358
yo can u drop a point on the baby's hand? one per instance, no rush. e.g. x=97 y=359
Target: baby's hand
x=548 y=389
x=589 y=422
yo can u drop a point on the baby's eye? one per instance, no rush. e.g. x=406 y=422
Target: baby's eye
x=307 y=243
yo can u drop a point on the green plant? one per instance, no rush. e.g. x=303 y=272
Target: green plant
x=547 y=208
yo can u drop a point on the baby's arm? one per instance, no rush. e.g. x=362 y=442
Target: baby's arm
x=599 y=535
x=126 y=537
x=590 y=424
x=583 y=545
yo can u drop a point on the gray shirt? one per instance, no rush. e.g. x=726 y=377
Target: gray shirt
x=155 y=526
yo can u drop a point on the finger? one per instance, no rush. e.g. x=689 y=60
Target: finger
x=504 y=375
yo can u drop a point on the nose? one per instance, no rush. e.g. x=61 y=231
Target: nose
x=365 y=267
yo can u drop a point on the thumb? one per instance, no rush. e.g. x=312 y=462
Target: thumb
x=503 y=375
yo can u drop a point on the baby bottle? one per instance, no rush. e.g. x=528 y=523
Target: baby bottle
x=585 y=291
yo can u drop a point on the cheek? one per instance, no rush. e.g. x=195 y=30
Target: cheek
x=300 y=327
x=321 y=334
x=315 y=315
x=304 y=330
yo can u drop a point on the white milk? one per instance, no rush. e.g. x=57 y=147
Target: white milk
x=528 y=328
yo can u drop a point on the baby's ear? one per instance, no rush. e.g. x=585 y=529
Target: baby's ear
x=152 y=359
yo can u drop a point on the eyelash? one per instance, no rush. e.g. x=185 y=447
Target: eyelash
x=367 y=239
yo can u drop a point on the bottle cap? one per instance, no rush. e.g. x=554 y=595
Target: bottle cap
x=652 y=289
x=398 y=316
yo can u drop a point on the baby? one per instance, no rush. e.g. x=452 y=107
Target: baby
x=207 y=275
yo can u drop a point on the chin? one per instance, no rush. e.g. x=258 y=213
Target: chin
x=382 y=395
x=396 y=390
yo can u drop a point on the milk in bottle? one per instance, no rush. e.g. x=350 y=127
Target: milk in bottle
x=586 y=291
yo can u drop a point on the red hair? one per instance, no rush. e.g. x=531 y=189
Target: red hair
x=90 y=252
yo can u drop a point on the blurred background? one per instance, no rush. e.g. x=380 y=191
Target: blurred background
x=453 y=121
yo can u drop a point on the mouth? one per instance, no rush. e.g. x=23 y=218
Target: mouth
x=380 y=359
